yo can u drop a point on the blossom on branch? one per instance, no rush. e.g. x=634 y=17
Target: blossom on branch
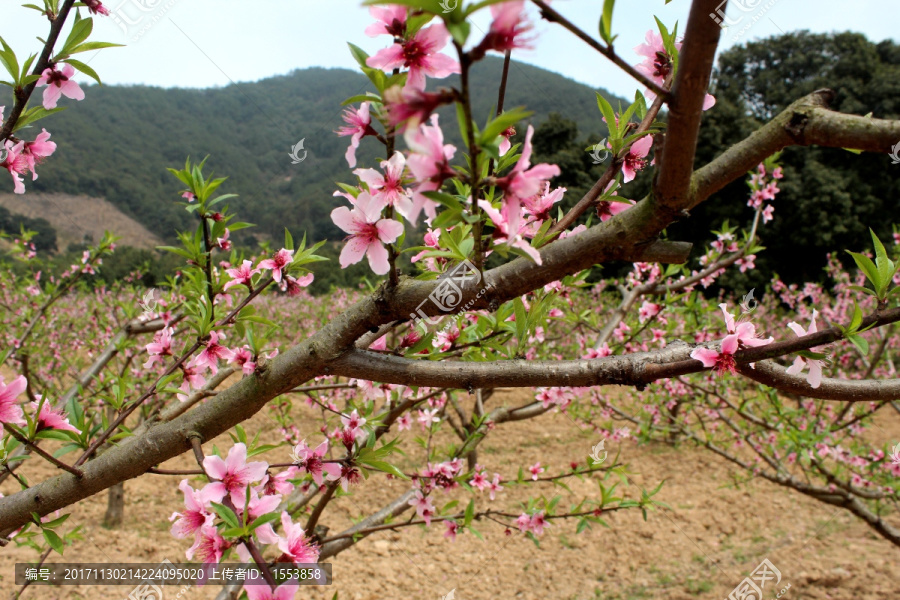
x=420 y=54
x=359 y=125
x=277 y=263
x=814 y=375
x=10 y=411
x=368 y=233
x=233 y=473
x=657 y=64
x=59 y=83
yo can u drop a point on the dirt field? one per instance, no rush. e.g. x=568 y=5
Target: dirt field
x=713 y=536
x=73 y=217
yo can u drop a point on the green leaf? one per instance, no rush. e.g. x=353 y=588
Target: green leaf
x=81 y=30
x=502 y=123
x=470 y=512
x=606 y=22
x=88 y=46
x=84 y=69
x=607 y=110
x=359 y=55
x=54 y=540
x=860 y=342
x=226 y=514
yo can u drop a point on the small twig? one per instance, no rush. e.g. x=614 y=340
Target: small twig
x=40 y=452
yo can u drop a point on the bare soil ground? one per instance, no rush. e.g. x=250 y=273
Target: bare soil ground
x=713 y=536
x=73 y=217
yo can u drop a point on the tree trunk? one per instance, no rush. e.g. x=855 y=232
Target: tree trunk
x=115 y=506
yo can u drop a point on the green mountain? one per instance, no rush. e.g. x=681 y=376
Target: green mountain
x=118 y=142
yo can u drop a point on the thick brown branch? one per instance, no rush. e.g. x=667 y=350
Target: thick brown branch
x=847 y=390
x=695 y=63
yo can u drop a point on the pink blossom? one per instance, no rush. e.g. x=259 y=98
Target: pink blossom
x=606 y=210
x=234 y=473
x=16 y=163
x=507 y=30
x=657 y=64
x=242 y=275
x=310 y=461
x=388 y=188
x=295 y=285
x=285 y=591
x=722 y=361
x=536 y=469
x=479 y=480
x=159 y=347
x=192 y=379
x=368 y=232
x=209 y=357
x=353 y=423
x=349 y=476
x=429 y=163
x=745 y=330
x=495 y=486
x=539 y=206
x=52 y=419
x=420 y=54
x=277 y=263
x=243 y=357
x=648 y=310
x=424 y=508
x=391 y=20
x=505 y=143
x=428 y=416
x=209 y=545
x=10 y=411
x=634 y=160
x=59 y=83
x=294 y=543
x=525 y=181
x=359 y=125
x=452 y=529
x=96 y=7
x=223 y=242
x=814 y=376
x=404 y=422
x=538 y=522
x=508 y=226
x=35 y=152
x=411 y=106
x=523 y=522
x=196 y=509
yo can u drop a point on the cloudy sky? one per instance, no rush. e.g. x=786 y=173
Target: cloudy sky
x=207 y=43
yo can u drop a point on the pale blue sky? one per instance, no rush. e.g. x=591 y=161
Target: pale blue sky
x=204 y=43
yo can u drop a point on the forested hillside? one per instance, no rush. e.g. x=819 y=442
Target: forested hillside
x=118 y=145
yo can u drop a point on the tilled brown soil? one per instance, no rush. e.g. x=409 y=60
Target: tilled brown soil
x=712 y=536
